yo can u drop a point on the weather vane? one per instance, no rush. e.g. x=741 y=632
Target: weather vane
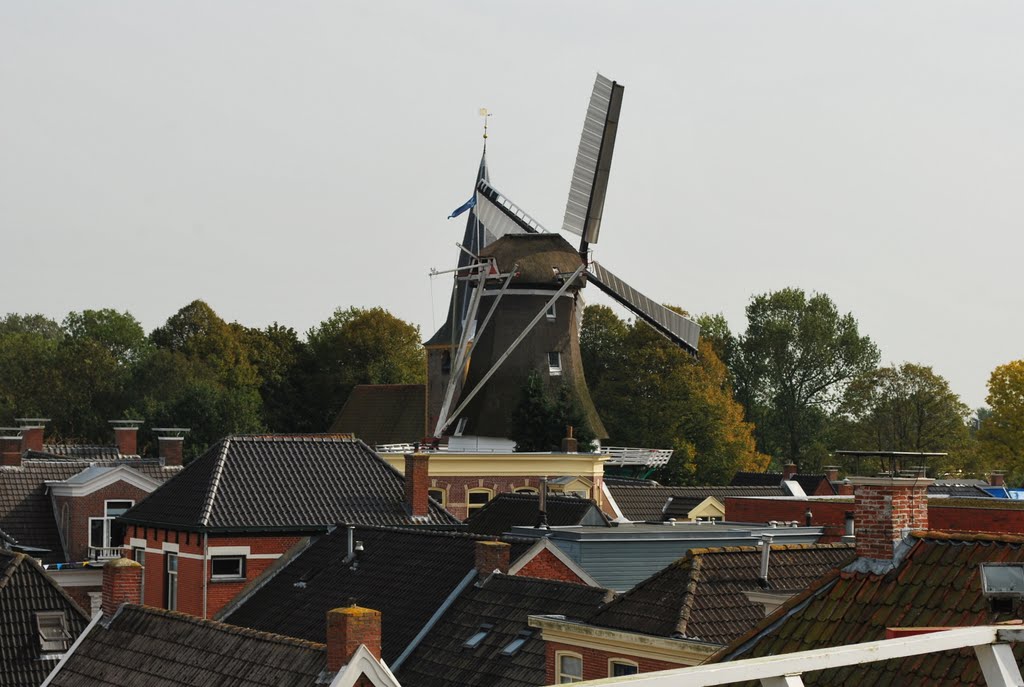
x=485 y=114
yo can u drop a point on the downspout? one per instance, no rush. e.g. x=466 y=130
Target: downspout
x=206 y=558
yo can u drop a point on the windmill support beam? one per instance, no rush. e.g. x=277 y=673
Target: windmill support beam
x=460 y=355
x=512 y=347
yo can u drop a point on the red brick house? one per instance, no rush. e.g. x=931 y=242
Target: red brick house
x=249 y=499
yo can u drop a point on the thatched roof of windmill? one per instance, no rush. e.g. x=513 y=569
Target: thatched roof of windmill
x=538 y=257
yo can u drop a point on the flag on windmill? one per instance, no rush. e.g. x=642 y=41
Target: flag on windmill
x=471 y=203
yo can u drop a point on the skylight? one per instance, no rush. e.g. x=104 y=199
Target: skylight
x=513 y=647
x=477 y=637
x=1002 y=579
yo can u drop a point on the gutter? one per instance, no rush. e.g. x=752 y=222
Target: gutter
x=470 y=576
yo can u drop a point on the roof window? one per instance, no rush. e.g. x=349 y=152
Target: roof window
x=513 y=647
x=478 y=636
x=52 y=627
x=1002 y=579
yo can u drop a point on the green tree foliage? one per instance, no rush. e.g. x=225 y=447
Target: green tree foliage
x=651 y=393
x=907 y=408
x=540 y=419
x=358 y=346
x=795 y=360
x=1001 y=434
x=28 y=369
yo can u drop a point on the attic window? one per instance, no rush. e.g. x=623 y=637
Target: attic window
x=554 y=363
x=478 y=636
x=513 y=647
x=1002 y=579
x=551 y=312
x=52 y=627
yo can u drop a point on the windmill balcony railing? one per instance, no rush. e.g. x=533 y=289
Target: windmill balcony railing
x=992 y=644
x=104 y=553
x=617 y=455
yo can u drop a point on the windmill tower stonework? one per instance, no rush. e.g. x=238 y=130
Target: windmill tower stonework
x=516 y=300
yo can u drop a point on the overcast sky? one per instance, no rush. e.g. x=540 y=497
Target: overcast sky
x=280 y=159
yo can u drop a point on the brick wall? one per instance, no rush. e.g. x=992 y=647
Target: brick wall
x=1003 y=517
x=828 y=514
x=595 y=662
x=190 y=566
x=546 y=565
x=73 y=513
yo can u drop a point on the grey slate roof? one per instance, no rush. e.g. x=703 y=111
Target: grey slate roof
x=385 y=413
x=505 y=511
x=646 y=503
x=406 y=574
x=26 y=512
x=701 y=596
x=282 y=482
x=958 y=489
x=158 y=648
x=809 y=483
x=25 y=589
x=505 y=602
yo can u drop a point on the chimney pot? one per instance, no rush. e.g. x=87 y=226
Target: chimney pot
x=122 y=584
x=788 y=470
x=491 y=556
x=832 y=473
x=10 y=446
x=417 y=483
x=347 y=629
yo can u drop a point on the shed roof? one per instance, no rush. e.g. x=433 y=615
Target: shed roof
x=282 y=482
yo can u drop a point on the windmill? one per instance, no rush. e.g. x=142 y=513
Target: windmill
x=520 y=286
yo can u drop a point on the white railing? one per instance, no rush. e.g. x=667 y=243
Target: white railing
x=104 y=553
x=645 y=457
x=992 y=645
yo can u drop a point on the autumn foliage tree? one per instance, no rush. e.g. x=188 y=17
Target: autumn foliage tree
x=1001 y=434
x=651 y=393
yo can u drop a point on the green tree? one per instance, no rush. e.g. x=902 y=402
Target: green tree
x=907 y=408
x=357 y=346
x=1001 y=434
x=28 y=365
x=540 y=419
x=278 y=356
x=795 y=359
x=652 y=393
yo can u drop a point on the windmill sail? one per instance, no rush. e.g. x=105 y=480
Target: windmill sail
x=585 y=206
x=672 y=325
x=500 y=215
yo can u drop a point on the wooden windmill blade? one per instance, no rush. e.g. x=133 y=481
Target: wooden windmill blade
x=585 y=207
x=675 y=327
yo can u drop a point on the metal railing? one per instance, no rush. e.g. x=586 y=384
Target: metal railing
x=992 y=644
x=104 y=553
x=645 y=457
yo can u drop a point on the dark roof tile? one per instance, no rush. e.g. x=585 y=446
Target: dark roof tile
x=811 y=484
x=648 y=502
x=505 y=511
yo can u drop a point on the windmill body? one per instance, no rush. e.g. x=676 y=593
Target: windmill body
x=516 y=301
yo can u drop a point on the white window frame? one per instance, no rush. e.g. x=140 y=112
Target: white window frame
x=612 y=662
x=139 y=556
x=474 y=507
x=171 y=590
x=555 y=370
x=561 y=677
x=59 y=639
x=551 y=313
x=241 y=568
x=108 y=521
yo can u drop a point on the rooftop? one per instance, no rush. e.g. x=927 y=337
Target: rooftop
x=505 y=511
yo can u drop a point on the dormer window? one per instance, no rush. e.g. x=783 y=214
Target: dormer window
x=478 y=636
x=52 y=627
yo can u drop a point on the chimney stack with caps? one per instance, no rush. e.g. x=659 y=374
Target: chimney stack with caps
x=171 y=441
x=832 y=473
x=10 y=446
x=491 y=556
x=417 y=483
x=884 y=508
x=122 y=584
x=997 y=479
x=347 y=630
x=32 y=429
x=126 y=436
x=788 y=470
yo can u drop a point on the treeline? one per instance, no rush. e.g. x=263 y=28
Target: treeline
x=196 y=371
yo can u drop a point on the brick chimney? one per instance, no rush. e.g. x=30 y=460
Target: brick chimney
x=570 y=443
x=844 y=488
x=32 y=429
x=997 y=479
x=883 y=508
x=10 y=446
x=347 y=629
x=417 y=481
x=832 y=473
x=788 y=470
x=491 y=556
x=126 y=436
x=122 y=584
x=171 y=442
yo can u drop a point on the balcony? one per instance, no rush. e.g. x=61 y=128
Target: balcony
x=104 y=553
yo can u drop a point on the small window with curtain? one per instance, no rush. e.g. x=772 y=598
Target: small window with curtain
x=569 y=668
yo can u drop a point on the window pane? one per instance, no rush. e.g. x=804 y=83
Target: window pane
x=619 y=669
x=437 y=495
x=570 y=669
x=97 y=532
x=115 y=508
x=479 y=498
x=227 y=566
